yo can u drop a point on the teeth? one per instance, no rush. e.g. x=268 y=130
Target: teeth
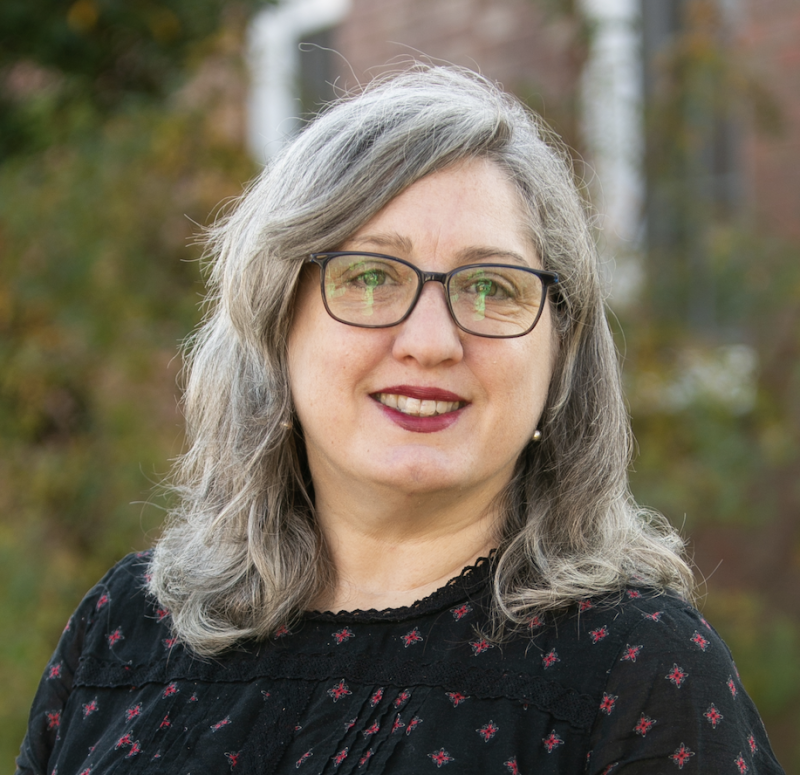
x=427 y=408
x=415 y=406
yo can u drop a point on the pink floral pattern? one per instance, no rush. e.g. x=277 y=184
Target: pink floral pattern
x=592 y=690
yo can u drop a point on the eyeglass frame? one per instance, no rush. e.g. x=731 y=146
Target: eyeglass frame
x=548 y=279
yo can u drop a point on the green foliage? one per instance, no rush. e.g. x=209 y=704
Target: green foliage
x=99 y=54
x=716 y=433
x=712 y=363
x=724 y=465
x=98 y=285
x=117 y=46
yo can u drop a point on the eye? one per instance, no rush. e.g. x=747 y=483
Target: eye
x=365 y=275
x=484 y=287
x=370 y=278
x=492 y=287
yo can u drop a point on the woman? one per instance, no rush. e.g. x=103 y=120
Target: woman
x=405 y=539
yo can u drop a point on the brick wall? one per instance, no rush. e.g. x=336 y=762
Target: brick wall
x=510 y=41
x=770 y=43
x=535 y=54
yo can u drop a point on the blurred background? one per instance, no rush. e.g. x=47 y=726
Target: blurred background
x=124 y=125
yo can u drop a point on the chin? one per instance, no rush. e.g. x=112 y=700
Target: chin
x=420 y=473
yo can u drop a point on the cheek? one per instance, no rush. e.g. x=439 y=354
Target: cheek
x=329 y=367
x=543 y=354
x=304 y=349
x=312 y=374
x=526 y=378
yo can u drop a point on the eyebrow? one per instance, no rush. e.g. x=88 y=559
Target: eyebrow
x=396 y=242
x=388 y=240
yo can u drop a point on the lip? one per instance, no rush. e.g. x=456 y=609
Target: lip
x=421 y=424
x=423 y=393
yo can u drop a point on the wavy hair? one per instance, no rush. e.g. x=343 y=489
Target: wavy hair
x=241 y=553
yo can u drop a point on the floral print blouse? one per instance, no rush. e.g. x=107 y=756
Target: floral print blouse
x=632 y=683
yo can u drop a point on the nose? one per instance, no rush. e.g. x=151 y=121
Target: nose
x=429 y=334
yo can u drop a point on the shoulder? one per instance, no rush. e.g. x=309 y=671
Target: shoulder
x=645 y=637
x=655 y=620
x=595 y=633
x=126 y=580
x=109 y=613
x=655 y=630
x=637 y=632
x=672 y=693
x=123 y=622
x=121 y=593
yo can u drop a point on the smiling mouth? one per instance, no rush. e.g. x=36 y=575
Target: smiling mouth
x=416 y=407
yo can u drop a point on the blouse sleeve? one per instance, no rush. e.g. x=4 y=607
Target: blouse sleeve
x=56 y=684
x=674 y=702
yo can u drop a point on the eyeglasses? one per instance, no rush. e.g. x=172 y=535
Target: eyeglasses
x=370 y=290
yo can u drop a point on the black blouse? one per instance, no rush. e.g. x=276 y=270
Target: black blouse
x=632 y=683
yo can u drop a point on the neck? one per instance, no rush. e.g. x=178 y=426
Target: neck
x=390 y=550
x=395 y=575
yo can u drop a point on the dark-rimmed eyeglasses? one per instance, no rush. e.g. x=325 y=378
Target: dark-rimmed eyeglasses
x=371 y=290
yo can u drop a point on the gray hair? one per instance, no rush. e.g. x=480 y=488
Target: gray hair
x=241 y=554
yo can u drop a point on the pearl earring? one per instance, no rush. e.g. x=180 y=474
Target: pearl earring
x=537 y=436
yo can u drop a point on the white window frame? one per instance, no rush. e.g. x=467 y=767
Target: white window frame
x=612 y=98
x=274 y=63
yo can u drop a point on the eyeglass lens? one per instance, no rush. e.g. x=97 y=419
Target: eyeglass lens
x=486 y=300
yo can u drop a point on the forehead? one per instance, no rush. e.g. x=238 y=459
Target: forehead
x=470 y=208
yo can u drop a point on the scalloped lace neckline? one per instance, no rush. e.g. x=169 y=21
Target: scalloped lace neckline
x=470 y=578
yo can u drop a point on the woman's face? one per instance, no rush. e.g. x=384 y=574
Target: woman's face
x=358 y=392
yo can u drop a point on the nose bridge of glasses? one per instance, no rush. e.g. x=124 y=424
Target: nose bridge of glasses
x=424 y=279
x=436 y=277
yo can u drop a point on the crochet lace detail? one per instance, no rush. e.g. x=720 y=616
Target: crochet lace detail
x=471 y=579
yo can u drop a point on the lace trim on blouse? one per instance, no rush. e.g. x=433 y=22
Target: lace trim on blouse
x=472 y=578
